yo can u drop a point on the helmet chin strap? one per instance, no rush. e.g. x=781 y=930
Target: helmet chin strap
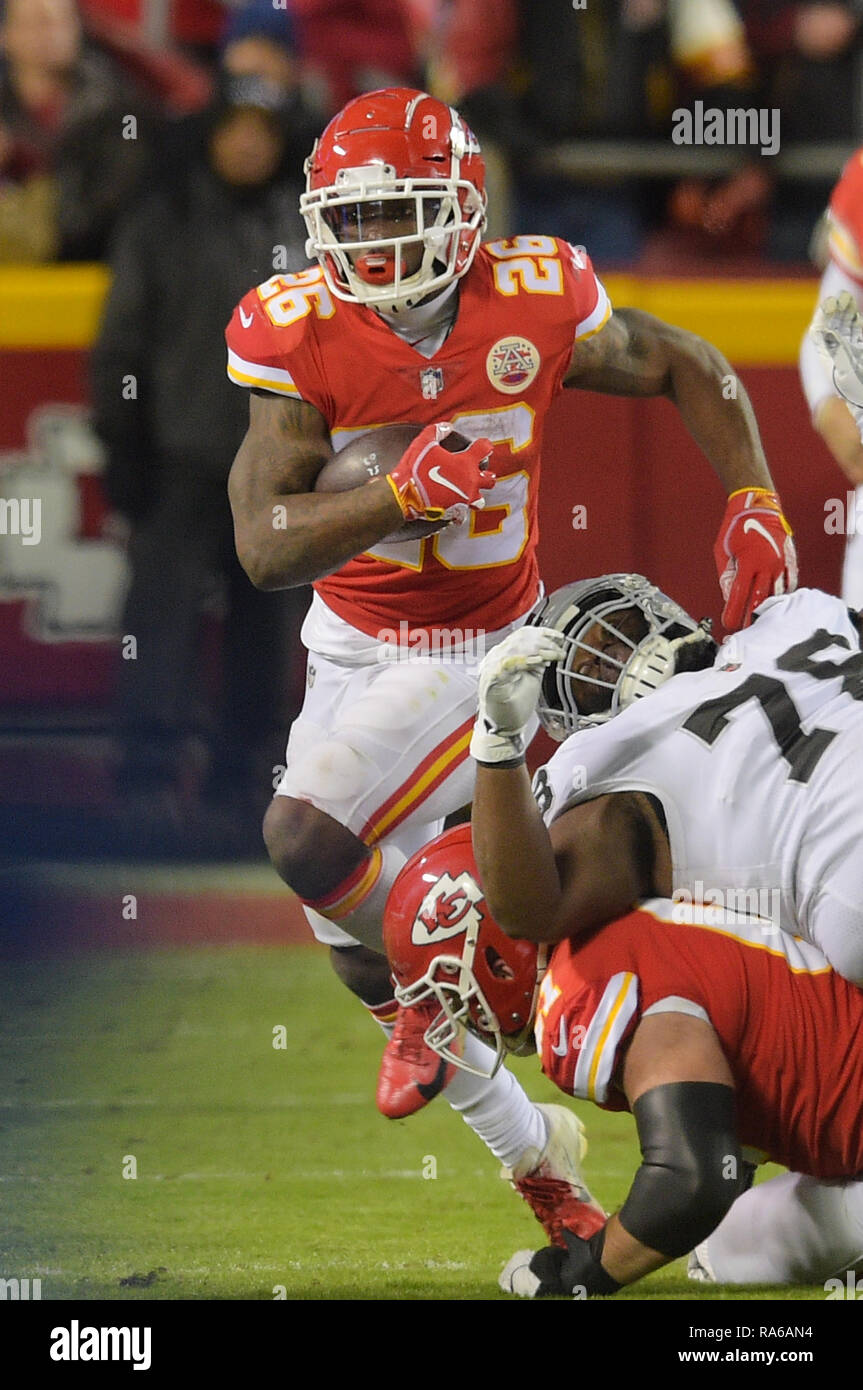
x=432 y=302
x=425 y=324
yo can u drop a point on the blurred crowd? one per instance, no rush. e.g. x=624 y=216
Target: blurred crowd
x=530 y=76
x=168 y=139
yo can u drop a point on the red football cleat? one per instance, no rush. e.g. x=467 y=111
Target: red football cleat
x=552 y=1183
x=411 y=1074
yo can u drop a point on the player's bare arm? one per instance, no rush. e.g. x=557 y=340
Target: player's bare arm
x=636 y=354
x=599 y=856
x=674 y=1067
x=681 y=1093
x=593 y=864
x=285 y=533
x=680 y=1090
x=840 y=432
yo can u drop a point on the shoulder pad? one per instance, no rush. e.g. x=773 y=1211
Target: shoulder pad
x=272 y=329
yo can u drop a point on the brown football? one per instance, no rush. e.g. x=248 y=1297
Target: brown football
x=374 y=455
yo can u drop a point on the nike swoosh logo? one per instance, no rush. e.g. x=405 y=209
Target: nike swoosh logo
x=246 y=322
x=752 y=525
x=437 y=477
x=428 y=1090
x=561 y=1047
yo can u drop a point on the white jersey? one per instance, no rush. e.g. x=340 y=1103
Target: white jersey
x=758 y=765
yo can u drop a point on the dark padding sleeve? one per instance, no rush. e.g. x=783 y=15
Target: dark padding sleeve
x=691 y=1169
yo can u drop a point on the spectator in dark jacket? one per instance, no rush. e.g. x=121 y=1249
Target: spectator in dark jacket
x=70 y=119
x=172 y=422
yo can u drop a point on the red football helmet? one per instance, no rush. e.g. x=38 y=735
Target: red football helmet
x=442 y=942
x=395 y=198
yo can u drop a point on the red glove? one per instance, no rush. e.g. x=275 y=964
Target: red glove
x=433 y=484
x=754 y=554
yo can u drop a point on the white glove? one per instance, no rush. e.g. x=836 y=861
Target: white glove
x=517 y=1276
x=510 y=678
x=837 y=329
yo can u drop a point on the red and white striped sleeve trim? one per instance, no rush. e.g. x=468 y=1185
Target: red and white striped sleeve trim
x=597 y=318
x=597 y=1055
x=264 y=377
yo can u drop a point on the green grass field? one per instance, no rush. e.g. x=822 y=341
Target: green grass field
x=257 y=1168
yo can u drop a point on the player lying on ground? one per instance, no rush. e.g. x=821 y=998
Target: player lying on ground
x=740 y=779
x=407 y=317
x=725 y=1053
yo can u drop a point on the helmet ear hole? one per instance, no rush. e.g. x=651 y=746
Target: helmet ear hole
x=497 y=966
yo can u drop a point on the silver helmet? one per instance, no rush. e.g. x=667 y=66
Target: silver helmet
x=570 y=699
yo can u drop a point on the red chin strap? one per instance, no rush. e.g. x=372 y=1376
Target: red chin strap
x=378 y=267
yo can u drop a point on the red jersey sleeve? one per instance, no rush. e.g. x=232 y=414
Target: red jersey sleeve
x=591 y=303
x=582 y=1025
x=588 y=304
x=596 y=992
x=846 y=219
x=271 y=339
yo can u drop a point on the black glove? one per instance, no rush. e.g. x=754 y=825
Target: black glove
x=575 y=1272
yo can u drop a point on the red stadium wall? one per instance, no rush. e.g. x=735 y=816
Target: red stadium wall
x=652 y=502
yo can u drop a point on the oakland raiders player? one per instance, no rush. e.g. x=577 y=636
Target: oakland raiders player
x=742 y=776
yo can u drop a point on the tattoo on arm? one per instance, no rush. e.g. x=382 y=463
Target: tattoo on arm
x=286 y=534
x=626 y=358
x=639 y=826
x=286 y=445
x=288 y=442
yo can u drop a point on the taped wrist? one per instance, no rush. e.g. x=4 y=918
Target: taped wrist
x=575 y=1271
x=691 y=1169
x=496 y=749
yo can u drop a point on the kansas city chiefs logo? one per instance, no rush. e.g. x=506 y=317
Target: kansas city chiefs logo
x=448 y=908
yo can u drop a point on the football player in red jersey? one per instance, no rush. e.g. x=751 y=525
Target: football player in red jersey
x=407 y=317
x=727 y=1053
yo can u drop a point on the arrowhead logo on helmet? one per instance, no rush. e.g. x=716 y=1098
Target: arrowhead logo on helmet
x=443 y=943
x=447 y=909
x=395 y=198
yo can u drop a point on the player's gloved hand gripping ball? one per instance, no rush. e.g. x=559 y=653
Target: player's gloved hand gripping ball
x=754 y=553
x=510 y=678
x=432 y=483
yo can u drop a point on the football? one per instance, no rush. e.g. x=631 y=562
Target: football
x=372 y=456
